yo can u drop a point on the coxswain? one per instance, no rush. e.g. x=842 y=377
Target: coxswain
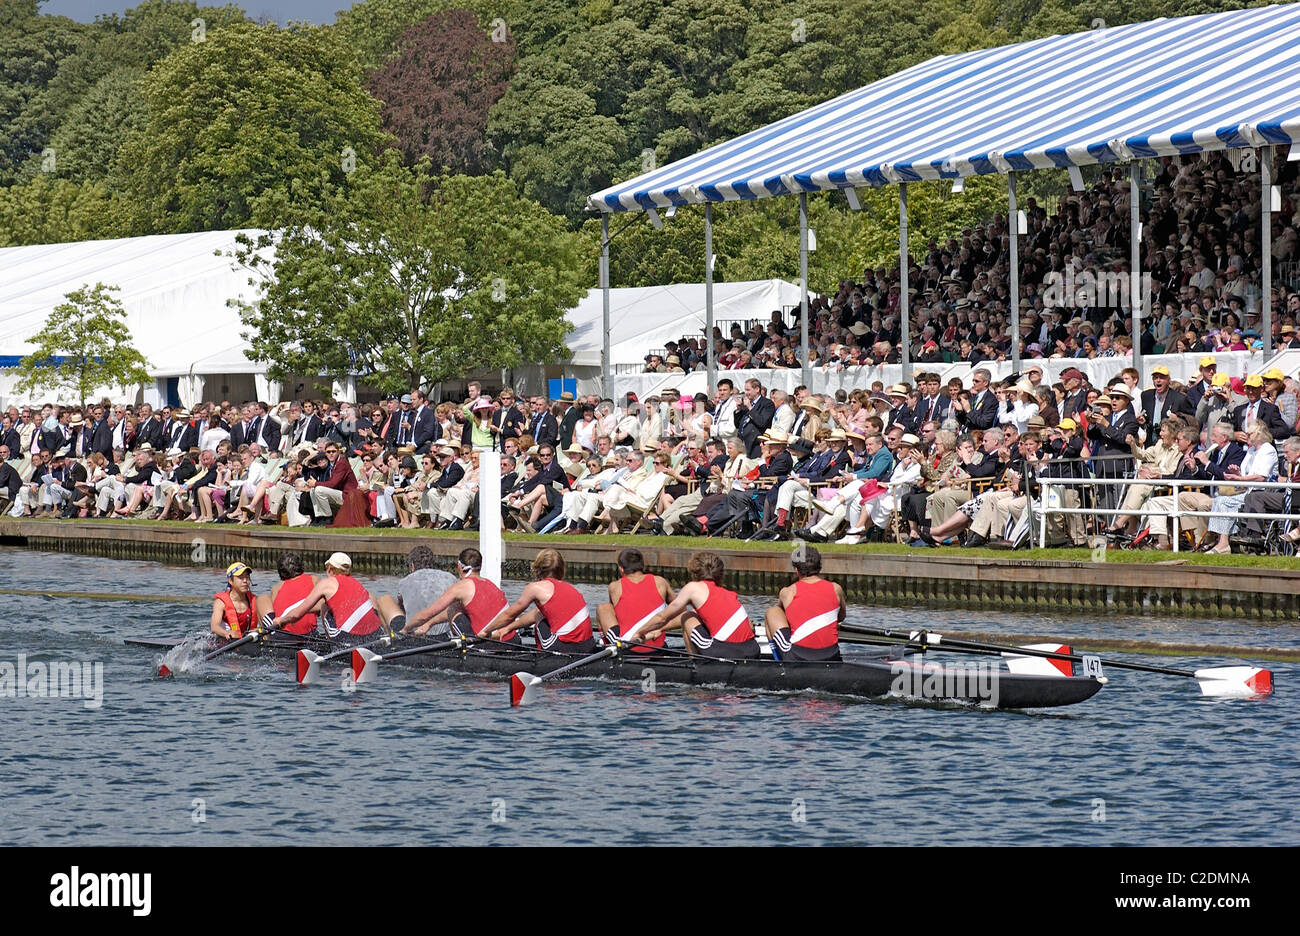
x=233 y=609
x=291 y=591
x=350 y=607
x=726 y=631
x=561 y=618
x=469 y=606
x=804 y=624
x=634 y=600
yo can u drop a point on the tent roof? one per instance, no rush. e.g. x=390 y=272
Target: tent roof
x=173 y=287
x=1160 y=88
x=646 y=317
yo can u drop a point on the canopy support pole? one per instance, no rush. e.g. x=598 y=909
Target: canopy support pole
x=1266 y=244
x=904 y=300
x=1013 y=223
x=806 y=377
x=607 y=382
x=1136 y=297
x=708 y=297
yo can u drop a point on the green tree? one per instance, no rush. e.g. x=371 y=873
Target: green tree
x=411 y=278
x=245 y=124
x=85 y=344
x=49 y=210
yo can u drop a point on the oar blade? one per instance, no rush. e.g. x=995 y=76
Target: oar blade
x=164 y=671
x=364 y=665
x=1040 y=666
x=523 y=688
x=1235 y=682
x=308 y=667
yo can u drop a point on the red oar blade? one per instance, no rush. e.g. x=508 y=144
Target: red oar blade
x=1235 y=682
x=364 y=665
x=308 y=667
x=164 y=671
x=523 y=688
x=1041 y=666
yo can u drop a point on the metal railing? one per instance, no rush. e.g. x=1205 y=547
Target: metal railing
x=1045 y=509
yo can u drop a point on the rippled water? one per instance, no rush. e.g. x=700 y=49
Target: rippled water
x=427 y=758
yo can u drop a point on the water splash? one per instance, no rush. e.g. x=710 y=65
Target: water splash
x=185 y=657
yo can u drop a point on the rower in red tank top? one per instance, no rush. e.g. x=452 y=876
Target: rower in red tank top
x=804 y=624
x=634 y=600
x=288 y=594
x=469 y=605
x=729 y=633
x=352 y=611
x=561 y=618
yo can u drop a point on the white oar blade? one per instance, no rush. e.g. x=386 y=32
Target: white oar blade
x=523 y=688
x=308 y=667
x=364 y=665
x=1040 y=666
x=1235 y=682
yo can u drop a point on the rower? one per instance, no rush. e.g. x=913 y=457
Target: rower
x=346 y=599
x=561 y=618
x=804 y=623
x=291 y=591
x=633 y=600
x=232 y=609
x=729 y=633
x=469 y=606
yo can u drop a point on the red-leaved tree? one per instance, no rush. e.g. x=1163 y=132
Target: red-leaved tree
x=437 y=91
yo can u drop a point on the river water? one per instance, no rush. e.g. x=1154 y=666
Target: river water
x=238 y=754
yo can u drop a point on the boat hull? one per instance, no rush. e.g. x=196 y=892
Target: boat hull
x=984 y=685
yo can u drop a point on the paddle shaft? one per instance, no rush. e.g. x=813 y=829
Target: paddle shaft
x=576 y=664
x=246 y=639
x=957 y=644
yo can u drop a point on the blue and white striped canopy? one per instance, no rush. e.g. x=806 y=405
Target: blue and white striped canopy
x=1150 y=89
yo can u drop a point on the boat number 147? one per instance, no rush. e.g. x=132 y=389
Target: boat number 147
x=1091 y=666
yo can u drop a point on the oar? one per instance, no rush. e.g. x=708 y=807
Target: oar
x=523 y=686
x=1224 y=682
x=264 y=627
x=365 y=662
x=309 y=661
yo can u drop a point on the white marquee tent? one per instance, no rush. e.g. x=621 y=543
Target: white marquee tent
x=174 y=289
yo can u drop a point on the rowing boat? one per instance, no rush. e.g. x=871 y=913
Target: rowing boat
x=875 y=676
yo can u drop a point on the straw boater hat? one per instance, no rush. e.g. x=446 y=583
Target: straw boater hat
x=76 y=420
x=899 y=389
x=775 y=436
x=909 y=440
x=1104 y=400
x=575 y=449
x=853 y=434
x=566 y=396
x=813 y=403
x=838 y=435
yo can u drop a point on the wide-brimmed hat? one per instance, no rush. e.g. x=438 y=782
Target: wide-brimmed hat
x=859 y=328
x=1104 y=400
x=575 y=449
x=814 y=404
x=909 y=440
x=775 y=436
x=482 y=403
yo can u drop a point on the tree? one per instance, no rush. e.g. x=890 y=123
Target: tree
x=49 y=210
x=437 y=92
x=410 y=278
x=244 y=125
x=85 y=344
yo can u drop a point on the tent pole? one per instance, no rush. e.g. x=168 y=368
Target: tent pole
x=806 y=377
x=606 y=376
x=1266 y=243
x=1135 y=297
x=708 y=297
x=1013 y=224
x=904 y=300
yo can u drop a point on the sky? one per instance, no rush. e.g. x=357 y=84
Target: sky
x=281 y=11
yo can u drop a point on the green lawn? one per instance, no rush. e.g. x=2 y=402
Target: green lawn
x=724 y=544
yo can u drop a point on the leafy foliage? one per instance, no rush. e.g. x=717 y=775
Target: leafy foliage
x=85 y=344
x=413 y=278
x=438 y=90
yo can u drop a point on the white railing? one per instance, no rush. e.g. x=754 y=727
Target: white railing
x=1045 y=509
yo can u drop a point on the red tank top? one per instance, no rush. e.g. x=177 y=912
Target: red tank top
x=239 y=622
x=291 y=594
x=813 y=614
x=352 y=610
x=724 y=616
x=638 y=602
x=566 y=612
x=487 y=603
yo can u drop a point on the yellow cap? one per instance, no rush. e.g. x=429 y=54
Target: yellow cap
x=1254 y=380
x=1208 y=361
x=1220 y=380
x=237 y=568
x=1067 y=423
x=1274 y=373
x=1160 y=369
